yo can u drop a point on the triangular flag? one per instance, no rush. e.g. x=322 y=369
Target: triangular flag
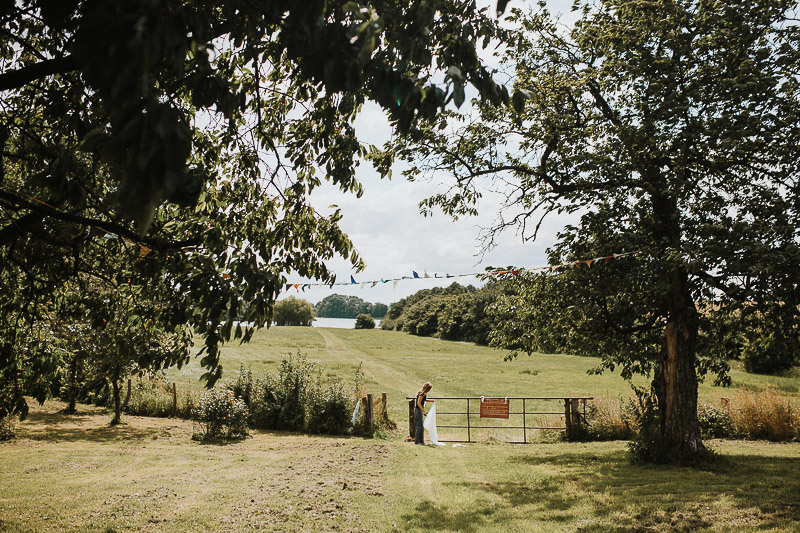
x=363 y=284
x=426 y=274
x=374 y=283
x=384 y=280
x=352 y=280
x=589 y=263
x=394 y=285
x=288 y=286
x=515 y=272
x=296 y=285
x=416 y=276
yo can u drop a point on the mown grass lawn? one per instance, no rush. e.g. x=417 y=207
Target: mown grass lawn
x=74 y=473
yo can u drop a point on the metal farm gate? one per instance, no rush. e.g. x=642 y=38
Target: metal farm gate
x=531 y=413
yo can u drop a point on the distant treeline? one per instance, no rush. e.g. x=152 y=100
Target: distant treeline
x=452 y=313
x=338 y=306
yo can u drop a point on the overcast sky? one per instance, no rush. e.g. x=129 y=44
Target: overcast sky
x=395 y=239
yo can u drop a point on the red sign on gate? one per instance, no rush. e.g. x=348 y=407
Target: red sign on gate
x=494 y=408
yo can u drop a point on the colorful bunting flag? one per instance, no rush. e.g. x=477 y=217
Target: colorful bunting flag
x=415 y=275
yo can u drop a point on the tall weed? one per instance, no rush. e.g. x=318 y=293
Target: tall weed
x=765 y=415
x=153 y=397
x=611 y=419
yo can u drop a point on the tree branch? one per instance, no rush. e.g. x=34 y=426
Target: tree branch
x=41 y=210
x=17 y=79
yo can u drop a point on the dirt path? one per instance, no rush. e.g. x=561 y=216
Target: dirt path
x=148 y=475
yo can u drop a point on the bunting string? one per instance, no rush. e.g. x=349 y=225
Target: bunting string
x=488 y=274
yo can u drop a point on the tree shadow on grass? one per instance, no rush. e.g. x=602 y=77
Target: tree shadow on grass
x=60 y=427
x=759 y=491
x=428 y=516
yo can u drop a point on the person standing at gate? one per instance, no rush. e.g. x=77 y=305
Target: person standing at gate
x=419 y=412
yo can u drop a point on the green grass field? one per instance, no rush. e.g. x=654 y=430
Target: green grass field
x=75 y=473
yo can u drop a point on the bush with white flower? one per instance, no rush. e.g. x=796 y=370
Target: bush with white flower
x=220 y=416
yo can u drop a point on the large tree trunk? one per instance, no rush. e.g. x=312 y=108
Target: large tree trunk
x=675 y=379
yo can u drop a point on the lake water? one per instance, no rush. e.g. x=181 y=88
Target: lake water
x=345 y=323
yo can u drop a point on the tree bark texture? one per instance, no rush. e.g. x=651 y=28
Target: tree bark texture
x=675 y=379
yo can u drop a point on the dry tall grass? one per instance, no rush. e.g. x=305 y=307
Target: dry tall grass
x=764 y=415
x=745 y=414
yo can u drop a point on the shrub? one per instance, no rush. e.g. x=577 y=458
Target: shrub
x=293 y=312
x=364 y=321
x=280 y=402
x=246 y=386
x=219 y=416
x=328 y=409
x=715 y=422
x=647 y=446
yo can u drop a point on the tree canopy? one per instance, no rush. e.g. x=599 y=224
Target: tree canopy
x=293 y=311
x=668 y=127
x=187 y=136
x=340 y=306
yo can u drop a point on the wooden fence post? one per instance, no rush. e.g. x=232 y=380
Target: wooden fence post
x=411 y=418
x=370 y=420
x=174 y=400
x=576 y=417
x=568 y=418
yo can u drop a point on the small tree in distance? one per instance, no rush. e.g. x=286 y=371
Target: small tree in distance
x=364 y=321
x=293 y=312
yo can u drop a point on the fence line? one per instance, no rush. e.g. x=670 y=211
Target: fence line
x=574 y=416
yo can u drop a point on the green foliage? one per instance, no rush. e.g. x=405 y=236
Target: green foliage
x=6 y=428
x=328 y=409
x=715 y=422
x=294 y=398
x=451 y=313
x=293 y=312
x=338 y=306
x=281 y=401
x=647 y=445
x=219 y=416
x=364 y=321
x=768 y=349
x=178 y=142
